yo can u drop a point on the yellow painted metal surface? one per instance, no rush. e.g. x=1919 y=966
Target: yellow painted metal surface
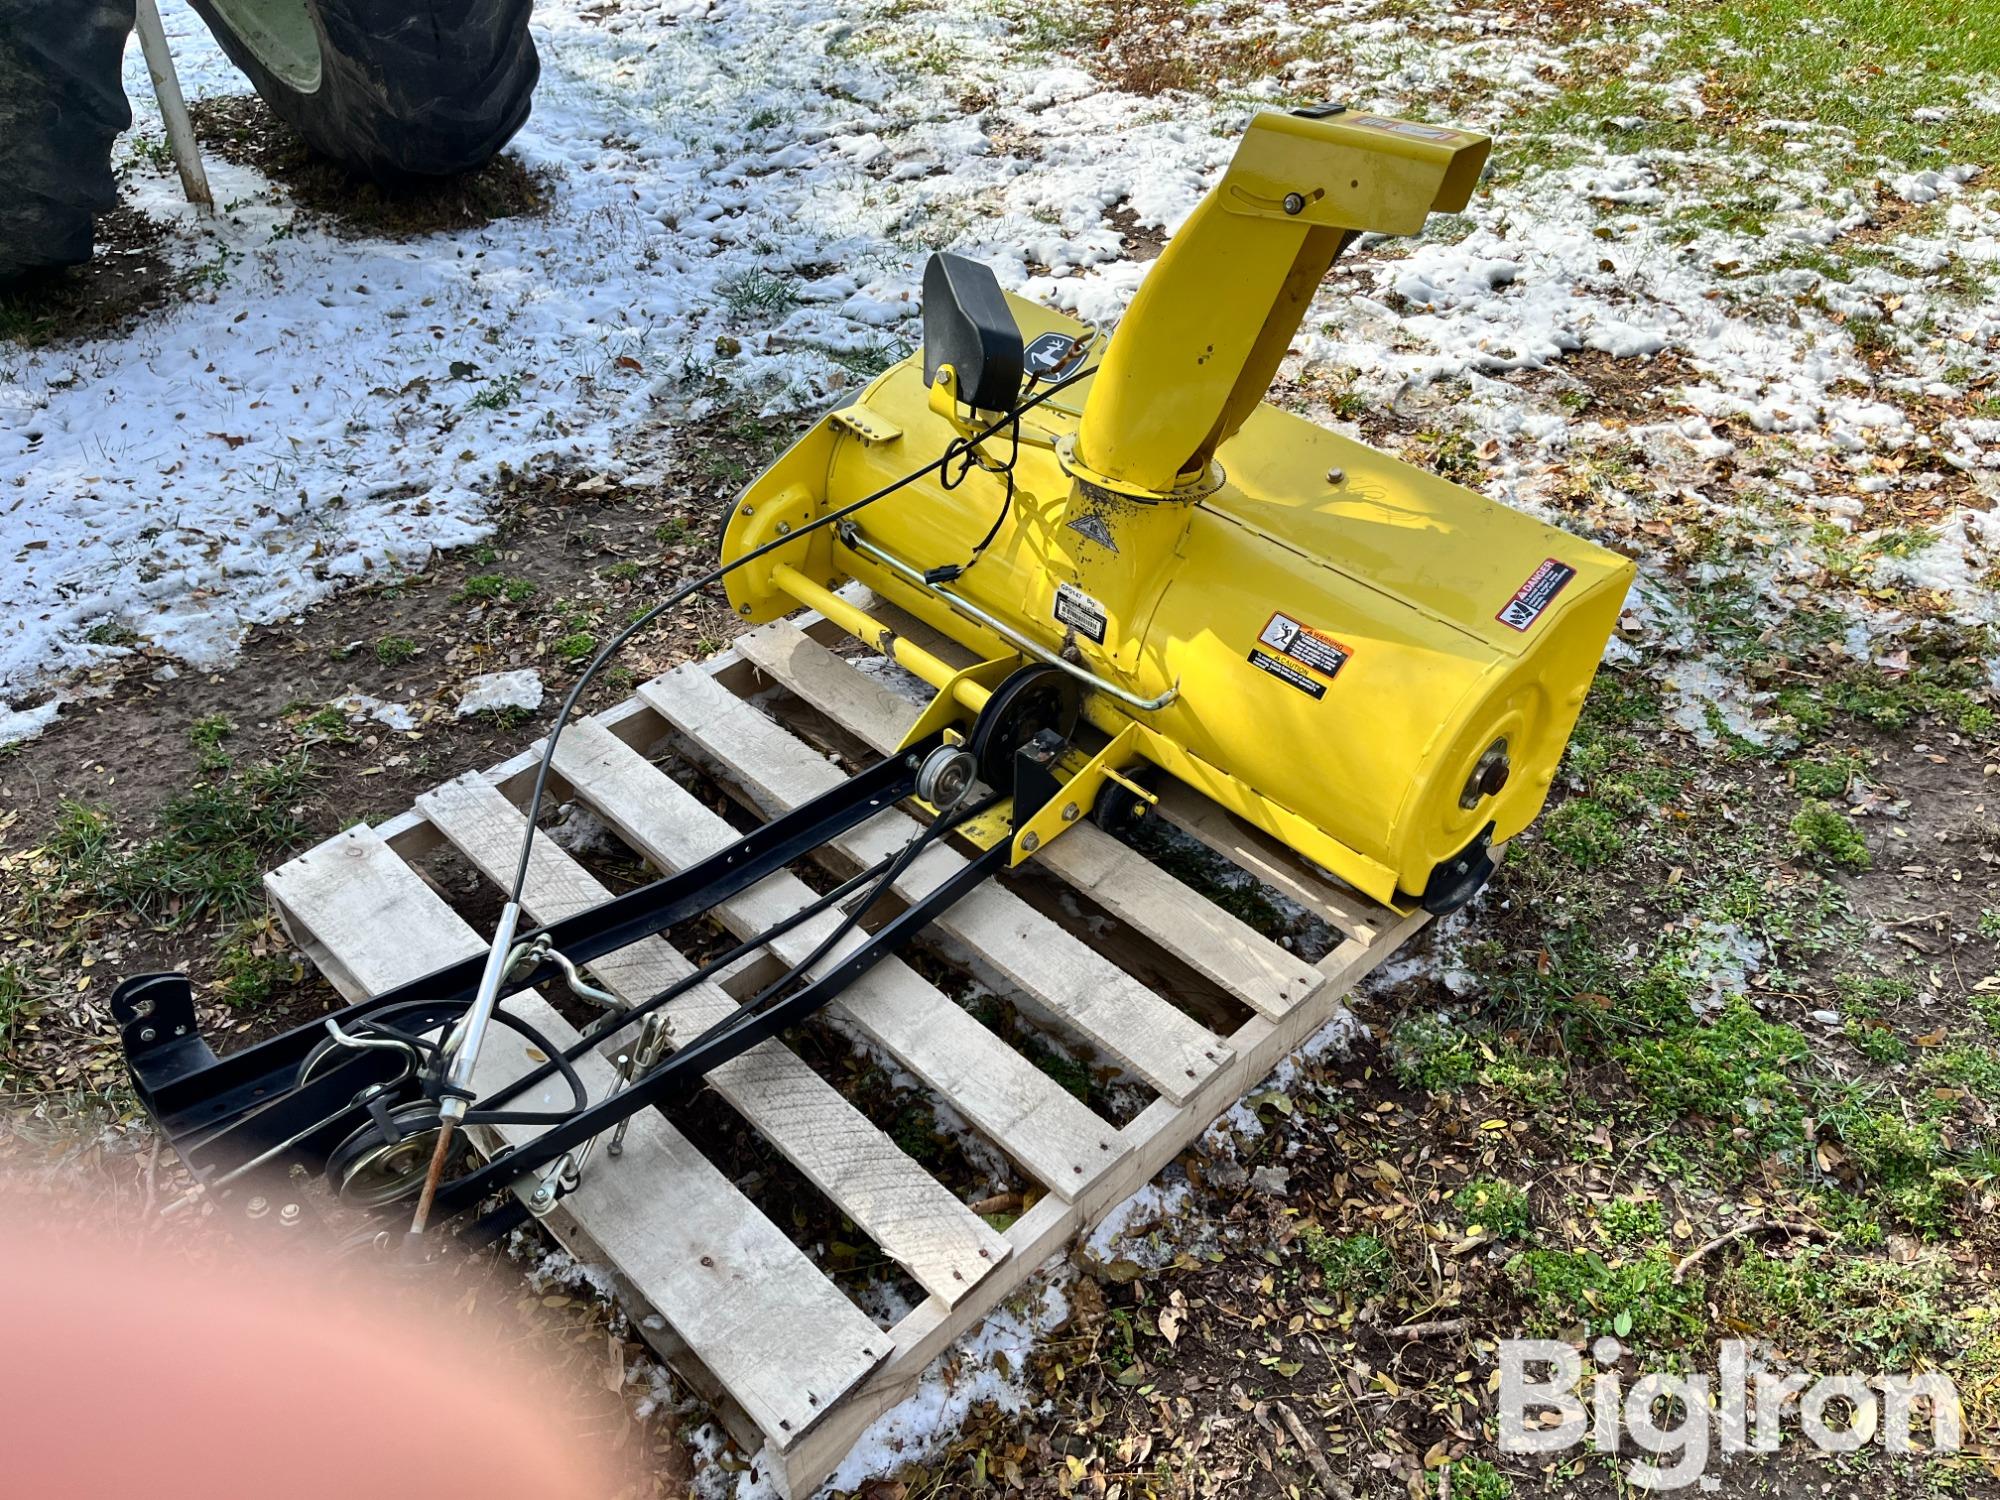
x=1348 y=635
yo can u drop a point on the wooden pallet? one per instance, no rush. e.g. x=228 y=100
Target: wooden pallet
x=791 y=1365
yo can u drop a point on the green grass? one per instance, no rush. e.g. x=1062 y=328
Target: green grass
x=1865 y=66
x=1497 y=1206
x=1477 y=1479
x=1734 y=1070
x=1626 y=1221
x=1906 y=1166
x=247 y=977
x=1828 y=778
x=1896 y=1314
x=915 y=1130
x=1634 y=1299
x=1944 y=683
x=1359 y=1263
x=1074 y=1076
x=1429 y=1052
x=576 y=647
x=206 y=854
x=209 y=731
x=1877 y=1042
x=485 y=588
x=1822 y=832
x=1986 y=1006
x=1974 y=1069
x=759 y=294
x=1450 y=455
x=17 y=1005
x=1587 y=832
x=497 y=395
x=394 y=650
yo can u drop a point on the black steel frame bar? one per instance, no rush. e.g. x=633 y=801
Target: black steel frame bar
x=190 y=1093
x=682 y=1073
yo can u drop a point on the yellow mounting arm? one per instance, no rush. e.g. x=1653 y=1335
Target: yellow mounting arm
x=1202 y=340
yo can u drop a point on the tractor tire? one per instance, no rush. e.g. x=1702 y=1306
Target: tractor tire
x=390 y=89
x=62 y=104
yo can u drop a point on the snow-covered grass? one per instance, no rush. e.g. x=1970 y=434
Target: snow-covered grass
x=744 y=193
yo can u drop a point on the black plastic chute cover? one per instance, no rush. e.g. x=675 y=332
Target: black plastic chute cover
x=968 y=326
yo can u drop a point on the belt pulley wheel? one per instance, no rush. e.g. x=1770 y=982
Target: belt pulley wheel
x=367 y=1170
x=945 y=776
x=1035 y=698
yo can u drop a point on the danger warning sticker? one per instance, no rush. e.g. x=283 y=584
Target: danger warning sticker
x=1286 y=673
x=1303 y=644
x=1080 y=612
x=1534 y=596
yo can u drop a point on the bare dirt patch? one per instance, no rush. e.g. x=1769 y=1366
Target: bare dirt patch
x=242 y=129
x=1141 y=241
x=131 y=273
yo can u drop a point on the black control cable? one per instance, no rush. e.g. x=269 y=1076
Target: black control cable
x=1010 y=418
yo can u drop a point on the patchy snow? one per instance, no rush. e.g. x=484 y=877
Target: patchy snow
x=17 y=724
x=744 y=193
x=1708 y=701
x=490 y=690
x=367 y=706
x=988 y=1365
x=581 y=831
x=1154 y=1205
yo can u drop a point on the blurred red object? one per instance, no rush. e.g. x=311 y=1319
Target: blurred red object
x=124 y=1373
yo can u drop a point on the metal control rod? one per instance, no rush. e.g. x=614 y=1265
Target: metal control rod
x=466 y=1039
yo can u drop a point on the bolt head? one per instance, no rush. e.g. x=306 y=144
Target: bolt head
x=1030 y=842
x=743 y=609
x=1335 y=476
x=1071 y=812
x=784 y=528
x=1294 y=203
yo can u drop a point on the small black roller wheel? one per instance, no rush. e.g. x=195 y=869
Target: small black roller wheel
x=62 y=104
x=391 y=89
x=1118 y=808
x=1031 y=700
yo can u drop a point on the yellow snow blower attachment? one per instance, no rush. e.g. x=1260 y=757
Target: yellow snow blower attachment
x=1375 y=666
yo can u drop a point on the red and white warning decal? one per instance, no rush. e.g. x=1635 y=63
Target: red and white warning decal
x=1304 y=645
x=1534 y=596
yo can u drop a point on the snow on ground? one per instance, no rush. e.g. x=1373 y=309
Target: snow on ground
x=770 y=174
x=301 y=426
x=521 y=688
x=745 y=190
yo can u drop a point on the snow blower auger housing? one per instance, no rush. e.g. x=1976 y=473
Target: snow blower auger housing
x=1154 y=573
x=1375 y=666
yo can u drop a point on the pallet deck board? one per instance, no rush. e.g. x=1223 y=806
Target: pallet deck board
x=1009 y=942
x=1013 y=1103
x=1216 y=944
x=758 y=1348
x=944 y=1246
x=781 y=1338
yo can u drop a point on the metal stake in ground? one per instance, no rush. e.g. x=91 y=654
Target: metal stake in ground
x=173 y=110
